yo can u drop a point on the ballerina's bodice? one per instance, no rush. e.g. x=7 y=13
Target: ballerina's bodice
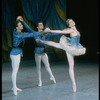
x=75 y=41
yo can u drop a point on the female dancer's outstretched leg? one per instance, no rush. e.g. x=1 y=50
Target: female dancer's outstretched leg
x=51 y=43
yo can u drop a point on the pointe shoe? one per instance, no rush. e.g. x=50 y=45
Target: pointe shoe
x=74 y=88
x=40 y=84
x=52 y=78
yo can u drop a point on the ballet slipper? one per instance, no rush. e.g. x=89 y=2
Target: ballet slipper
x=14 y=91
x=18 y=89
x=40 y=84
x=52 y=78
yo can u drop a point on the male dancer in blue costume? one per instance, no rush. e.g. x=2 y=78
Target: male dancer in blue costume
x=17 y=51
x=40 y=53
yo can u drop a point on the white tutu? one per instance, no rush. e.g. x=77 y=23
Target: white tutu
x=71 y=49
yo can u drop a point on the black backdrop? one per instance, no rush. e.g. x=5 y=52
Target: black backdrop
x=86 y=15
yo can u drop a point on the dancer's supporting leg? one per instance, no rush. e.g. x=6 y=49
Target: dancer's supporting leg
x=15 y=66
x=71 y=70
x=38 y=65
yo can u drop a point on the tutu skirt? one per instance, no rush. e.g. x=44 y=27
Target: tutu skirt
x=74 y=50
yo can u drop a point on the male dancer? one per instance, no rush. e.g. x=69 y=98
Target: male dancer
x=17 y=50
x=40 y=54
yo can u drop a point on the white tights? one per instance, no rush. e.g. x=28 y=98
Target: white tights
x=51 y=43
x=44 y=58
x=15 y=61
x=71 y=70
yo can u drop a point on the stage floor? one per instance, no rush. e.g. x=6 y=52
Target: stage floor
x=86 y=75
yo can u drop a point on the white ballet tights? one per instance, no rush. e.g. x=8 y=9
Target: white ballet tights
x=51 y=43
x=71 y=70
x=15 y=61
x=44 y=58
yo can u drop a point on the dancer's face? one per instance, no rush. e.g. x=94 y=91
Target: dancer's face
x=71 y=23
x=19 y=26
x=40 y=26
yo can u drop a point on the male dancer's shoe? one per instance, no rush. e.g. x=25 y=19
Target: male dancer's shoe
x=15 y=90
x=40 y=84
x=52 y=78
x=18 y=89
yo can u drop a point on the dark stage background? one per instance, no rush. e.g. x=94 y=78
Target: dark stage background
x=84 y=12
x=86 y=15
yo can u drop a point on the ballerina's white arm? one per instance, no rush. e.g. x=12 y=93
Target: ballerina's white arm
x=65 y=31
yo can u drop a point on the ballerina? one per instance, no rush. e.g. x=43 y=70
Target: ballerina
x=70 y=45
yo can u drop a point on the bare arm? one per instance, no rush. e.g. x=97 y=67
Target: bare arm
x=65 y=31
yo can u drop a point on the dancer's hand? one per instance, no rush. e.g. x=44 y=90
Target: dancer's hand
x=38 y=40
x=47 y=30
x=20 y=18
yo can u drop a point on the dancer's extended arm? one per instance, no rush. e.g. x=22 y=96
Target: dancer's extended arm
x=65 y=31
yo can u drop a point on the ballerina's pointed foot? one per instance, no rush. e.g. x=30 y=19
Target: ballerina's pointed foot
x=74 y=88
x=52 y=78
